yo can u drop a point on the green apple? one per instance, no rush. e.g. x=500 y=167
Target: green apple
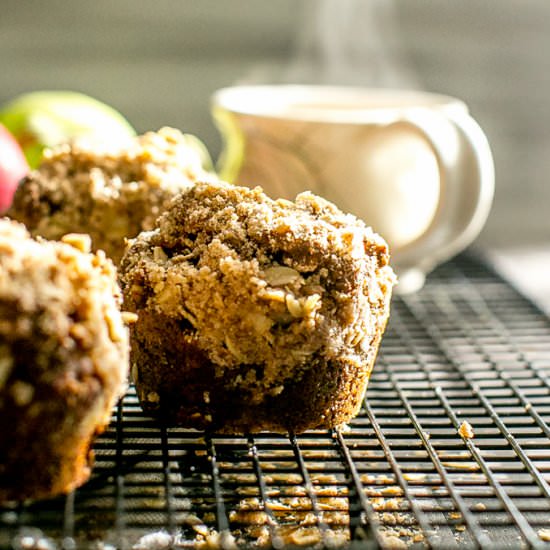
x=46 y=118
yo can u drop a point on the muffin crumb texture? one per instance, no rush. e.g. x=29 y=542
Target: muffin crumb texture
x=63 y=360
x=109 y=191
x=255 y=314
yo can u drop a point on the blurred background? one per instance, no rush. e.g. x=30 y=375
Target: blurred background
x=159 y=62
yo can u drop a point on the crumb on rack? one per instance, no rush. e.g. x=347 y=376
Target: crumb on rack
x=466 y=431
x=393 y=542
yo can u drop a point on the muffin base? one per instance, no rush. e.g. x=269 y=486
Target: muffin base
x=180 y=386
x=50 y=451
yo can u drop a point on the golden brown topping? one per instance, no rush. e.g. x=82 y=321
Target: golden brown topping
x=110 y=192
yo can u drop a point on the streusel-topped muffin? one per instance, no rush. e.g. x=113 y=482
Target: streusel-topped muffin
x=111 y=192
x=63 y=360
x=255 y=314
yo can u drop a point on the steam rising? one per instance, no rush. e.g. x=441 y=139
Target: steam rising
x=346 y=42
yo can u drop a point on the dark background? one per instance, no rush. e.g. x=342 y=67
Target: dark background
x=158 y=63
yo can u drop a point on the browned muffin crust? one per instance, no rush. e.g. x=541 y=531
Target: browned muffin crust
x=255 y=314
x=110 y=192
x=63 y=360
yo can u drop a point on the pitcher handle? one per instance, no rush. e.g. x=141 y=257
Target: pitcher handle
x=467 y=183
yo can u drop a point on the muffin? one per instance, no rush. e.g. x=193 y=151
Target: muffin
x=63 y=360
x=255 y=314
x=110 y=192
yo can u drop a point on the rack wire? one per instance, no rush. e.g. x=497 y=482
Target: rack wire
x=467 y=348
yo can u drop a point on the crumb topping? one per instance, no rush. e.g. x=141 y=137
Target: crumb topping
x=109 y=191
x=261 y=282
x=57 y=305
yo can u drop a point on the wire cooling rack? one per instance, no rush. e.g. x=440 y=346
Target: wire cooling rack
x=467 y=348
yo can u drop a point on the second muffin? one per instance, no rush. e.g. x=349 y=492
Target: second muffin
x=109 y=192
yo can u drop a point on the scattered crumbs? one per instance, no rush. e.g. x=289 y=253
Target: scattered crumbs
x=544 y=534
x=460 y=527
x=479 y=507
x=154 y=541
x=414 y=477
x=393 y=542
x=394 y=490
x=455 y=515
x=401 y=533
x=466 y=430
x=528 y=407
x=390 y=504
x=469 y=466
x=388 y=518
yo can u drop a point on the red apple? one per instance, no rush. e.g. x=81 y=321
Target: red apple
x=13 y=167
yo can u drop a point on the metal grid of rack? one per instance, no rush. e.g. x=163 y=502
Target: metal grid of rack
x=467 y=347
